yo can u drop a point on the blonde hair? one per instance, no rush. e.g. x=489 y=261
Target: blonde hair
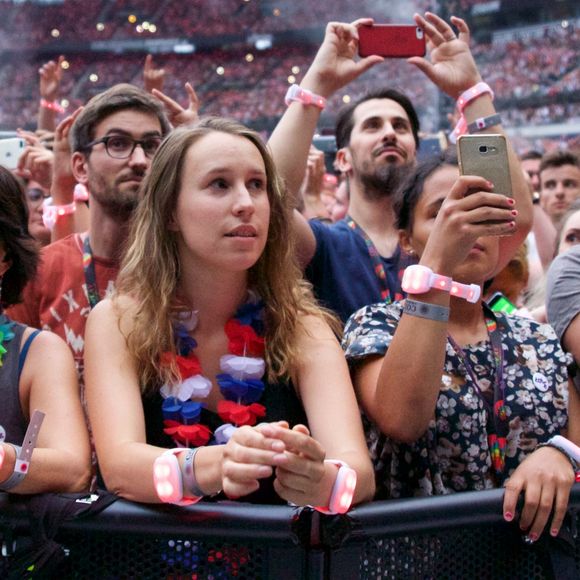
x=150 y=271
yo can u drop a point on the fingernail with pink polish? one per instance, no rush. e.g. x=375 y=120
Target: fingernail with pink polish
x=514 y=212
x=511 y=201
x=533 y=537
x=508 y=516
x=554 y=532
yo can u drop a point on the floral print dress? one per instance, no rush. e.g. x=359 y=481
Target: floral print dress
x=453 y=454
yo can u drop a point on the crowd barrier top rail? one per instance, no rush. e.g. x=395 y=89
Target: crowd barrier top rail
x=266 y=522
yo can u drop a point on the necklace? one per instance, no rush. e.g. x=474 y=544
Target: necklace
x=6 y=335
x=239 y=382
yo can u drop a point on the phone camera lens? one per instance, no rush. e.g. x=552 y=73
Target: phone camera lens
x=483 y=148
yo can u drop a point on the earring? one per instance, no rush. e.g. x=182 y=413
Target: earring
x=411 y=252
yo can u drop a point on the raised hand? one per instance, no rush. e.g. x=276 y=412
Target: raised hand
x=468 y=212
x=451 y=66
x=50 y=75
x=36 y=161
x=176 y=114
x=335 y=63
x=153 y=78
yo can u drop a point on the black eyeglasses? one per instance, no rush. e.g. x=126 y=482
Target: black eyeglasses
x=122 y=146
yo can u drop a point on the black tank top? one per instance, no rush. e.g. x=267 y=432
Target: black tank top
x=12 y=422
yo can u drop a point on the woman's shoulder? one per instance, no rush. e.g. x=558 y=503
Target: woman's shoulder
x=370 y=329
x=525 y=329
x=119 y=310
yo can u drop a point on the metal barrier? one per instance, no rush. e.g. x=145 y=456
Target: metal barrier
x=456 y=536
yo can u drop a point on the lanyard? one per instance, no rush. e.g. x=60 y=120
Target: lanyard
x=379 y=268
x=498 y=411
x=90 y=274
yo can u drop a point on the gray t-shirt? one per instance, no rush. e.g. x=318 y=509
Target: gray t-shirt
x=563 y=290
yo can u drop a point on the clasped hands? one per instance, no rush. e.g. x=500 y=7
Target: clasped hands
x=292 y=455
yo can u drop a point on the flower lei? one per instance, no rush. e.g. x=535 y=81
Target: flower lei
x=6 y=335
x=239 y=382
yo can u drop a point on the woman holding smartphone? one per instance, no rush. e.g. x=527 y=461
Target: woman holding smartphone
x=212 y=368
x=458 y=397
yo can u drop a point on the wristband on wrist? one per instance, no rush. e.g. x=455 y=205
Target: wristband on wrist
x=464 y=99
x=51 y=106
x=484 y=123
x=304 y=96
x=419 y=279
x=51 y=213
x=189 y=480
x=342 y=490
x=569 y=449
x=24 y=453
x=426 y=310
x=168 y=478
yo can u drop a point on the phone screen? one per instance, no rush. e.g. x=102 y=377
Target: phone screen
x=499 y=303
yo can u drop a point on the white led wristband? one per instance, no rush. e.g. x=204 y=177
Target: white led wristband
x=342 y=490
x=419 y=279
x=24 y=453
x=168 y=480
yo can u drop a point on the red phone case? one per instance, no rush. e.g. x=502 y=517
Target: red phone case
x=391 y=40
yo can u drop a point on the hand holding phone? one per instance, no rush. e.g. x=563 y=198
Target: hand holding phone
x=10 y=151
x=391 y=40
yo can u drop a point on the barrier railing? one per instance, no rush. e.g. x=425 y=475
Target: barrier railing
x=457 y=536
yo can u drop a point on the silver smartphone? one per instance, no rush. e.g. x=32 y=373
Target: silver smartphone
x=486 y=155
x=10 y=151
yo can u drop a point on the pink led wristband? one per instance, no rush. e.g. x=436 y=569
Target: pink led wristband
x=342 y=490
x=51 y=213
x=304 y=96
x=464 y=99
x=168 y=480
x=419 y=279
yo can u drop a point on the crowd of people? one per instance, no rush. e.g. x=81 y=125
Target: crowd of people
x=519 y=69
x=201 y=282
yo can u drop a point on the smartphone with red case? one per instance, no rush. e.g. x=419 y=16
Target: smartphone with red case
x=391 y=40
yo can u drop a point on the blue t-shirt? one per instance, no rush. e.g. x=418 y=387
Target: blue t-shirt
x=343 y=273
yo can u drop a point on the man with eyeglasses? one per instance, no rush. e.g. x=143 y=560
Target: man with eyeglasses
x=113 y=141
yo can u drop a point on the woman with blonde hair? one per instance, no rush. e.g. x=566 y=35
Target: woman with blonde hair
x=214 y=343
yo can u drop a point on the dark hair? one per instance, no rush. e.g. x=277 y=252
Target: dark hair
x=559 y=158
x=531 y=154
x=412 y=190
x=21 y=248
x=118 y=98
x=345 y=122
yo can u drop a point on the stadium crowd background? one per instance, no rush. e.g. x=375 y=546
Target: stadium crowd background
x=241 y=55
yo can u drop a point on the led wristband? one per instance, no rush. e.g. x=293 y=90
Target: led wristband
x=342 y=490
x=569 y=449
x=304 y=96
x=51 y=105
x=419 y=279
x=464 y=99
x=168 y=479
x=51 y=213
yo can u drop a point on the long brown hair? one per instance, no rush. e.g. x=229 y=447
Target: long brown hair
x=150 y=271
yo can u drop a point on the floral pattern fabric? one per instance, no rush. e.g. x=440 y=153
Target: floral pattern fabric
x=453 y=455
